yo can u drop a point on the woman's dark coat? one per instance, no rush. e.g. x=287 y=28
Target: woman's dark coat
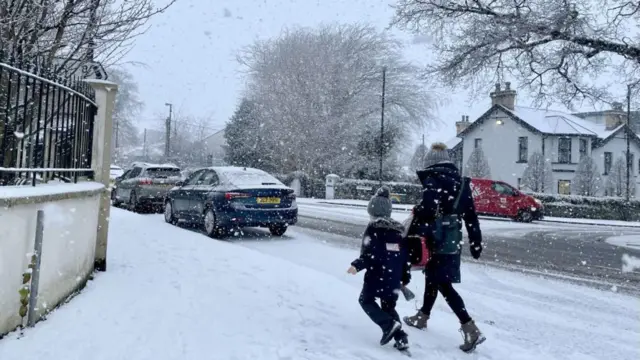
x=441 y=183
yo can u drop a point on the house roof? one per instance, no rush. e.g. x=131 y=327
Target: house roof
x=452 y=143
x=550 y=122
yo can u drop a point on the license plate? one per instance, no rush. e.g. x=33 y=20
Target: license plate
x=268 y=200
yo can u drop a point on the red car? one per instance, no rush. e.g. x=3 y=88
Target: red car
x=497 y=198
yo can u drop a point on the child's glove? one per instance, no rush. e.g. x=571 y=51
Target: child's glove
x=352 y=270
x=476 y=250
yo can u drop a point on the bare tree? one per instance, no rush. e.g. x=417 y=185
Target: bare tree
x=538 y=176
x=64 y=34
x=319 y=90
x=477 y=165
x=418 y=157
x=616 y=184
x=587 y=180
x=560 y=50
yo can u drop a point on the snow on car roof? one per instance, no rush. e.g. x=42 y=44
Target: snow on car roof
x=144 y=164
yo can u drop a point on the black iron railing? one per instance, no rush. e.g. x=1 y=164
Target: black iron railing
x=46 y=127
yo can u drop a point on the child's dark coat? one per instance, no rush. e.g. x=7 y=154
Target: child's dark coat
x=384 y=255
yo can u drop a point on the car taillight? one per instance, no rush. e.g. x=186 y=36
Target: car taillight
x=145 y=182
x=234 y=195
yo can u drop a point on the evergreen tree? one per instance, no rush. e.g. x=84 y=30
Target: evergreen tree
x=587 y=181
x=478 y=165
x=538 y=176
x=244 y=137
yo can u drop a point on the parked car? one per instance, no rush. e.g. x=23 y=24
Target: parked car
x=145 y=186
x=497 y=198
x=115 y=172
x=224 y=198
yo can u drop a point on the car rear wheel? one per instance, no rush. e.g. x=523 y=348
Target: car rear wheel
x=210 y=226
x=114 y=198
x=133 y=202
x=278 y=230
x=168 y=214
x=525 y=215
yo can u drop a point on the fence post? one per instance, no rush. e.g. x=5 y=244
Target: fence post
x=101 y=161
x=35 y=273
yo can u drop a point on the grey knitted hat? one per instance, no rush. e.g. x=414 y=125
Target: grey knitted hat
x=437 y=154
x=380 y=204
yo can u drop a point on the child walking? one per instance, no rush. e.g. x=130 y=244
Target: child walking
x=384 y=256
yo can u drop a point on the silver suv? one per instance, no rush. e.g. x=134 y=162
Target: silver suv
x=145 y=186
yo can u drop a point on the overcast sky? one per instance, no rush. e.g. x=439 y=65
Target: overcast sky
x=189 y=54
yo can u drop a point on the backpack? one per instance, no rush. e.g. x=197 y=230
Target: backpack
x=447 y=229
x=419 y=254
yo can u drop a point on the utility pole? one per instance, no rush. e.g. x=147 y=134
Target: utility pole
x=144 y=145
x=627 y=130
x=167 y=145
x=384 y=80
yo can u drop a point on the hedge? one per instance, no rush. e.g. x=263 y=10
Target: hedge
x=589 y=207
x=403 y=193
x=310 y=187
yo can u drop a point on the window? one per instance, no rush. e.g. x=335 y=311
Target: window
x=631 y=161
x=194 y=177
x=583 y=148
x=209 y=178
x=523 y=149
x=163 y=172
x=503 y=189
x=564 y=150
x=134 y=173
x=608 y=160
x=477 y=143
x=564 y=187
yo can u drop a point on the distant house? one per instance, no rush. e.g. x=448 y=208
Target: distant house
x=509 y=134
x=213 y=146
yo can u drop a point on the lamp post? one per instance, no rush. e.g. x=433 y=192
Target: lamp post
x=167 y=144
x=384 y=80
x=627 y=130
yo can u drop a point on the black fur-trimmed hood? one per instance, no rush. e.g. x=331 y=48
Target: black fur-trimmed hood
x=386 y=223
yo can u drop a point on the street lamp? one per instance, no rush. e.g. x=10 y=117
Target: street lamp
x=628 y=130
x=384 y=80
x=167 y=144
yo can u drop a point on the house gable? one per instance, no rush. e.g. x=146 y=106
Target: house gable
x=487 y=115
x=603 y=141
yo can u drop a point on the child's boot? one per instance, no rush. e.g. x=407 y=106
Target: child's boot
x=472 y=337
x=388 y=334
x=418 y=320
x=402 y=340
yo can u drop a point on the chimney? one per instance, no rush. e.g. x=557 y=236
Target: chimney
x=506 y=97
x=614 y=117
x=462 y=124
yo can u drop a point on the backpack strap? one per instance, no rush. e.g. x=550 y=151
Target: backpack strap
x=457 y=201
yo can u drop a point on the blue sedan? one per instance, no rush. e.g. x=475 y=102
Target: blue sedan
x=224 y=198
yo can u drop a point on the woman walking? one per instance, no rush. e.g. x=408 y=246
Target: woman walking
x=446 y=199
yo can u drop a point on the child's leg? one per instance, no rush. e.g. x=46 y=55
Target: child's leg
x=389 y=306
x=372 y=309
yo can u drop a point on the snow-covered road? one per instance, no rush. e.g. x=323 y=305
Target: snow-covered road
x=172 y=293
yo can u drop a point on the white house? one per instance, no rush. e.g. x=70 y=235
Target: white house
x=509 y=134
x=214 y=148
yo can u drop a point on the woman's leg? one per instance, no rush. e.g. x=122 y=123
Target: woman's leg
x=455 y=302
x=429 y=298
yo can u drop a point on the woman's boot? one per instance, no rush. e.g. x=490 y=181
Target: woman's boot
x=472 y=337
x=418 y=320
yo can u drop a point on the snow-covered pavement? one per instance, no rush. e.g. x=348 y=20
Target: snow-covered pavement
x=171 y=293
